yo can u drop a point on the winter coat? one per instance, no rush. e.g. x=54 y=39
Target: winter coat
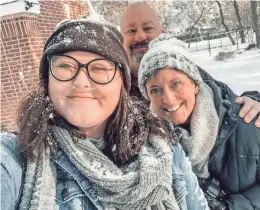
x=235 y=158
x=73 y=189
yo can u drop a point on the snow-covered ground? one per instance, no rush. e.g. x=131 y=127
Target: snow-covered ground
x=241 y=73
x=221 y=43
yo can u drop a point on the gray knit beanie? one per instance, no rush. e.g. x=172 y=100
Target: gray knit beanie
x=90 y=35
x=166 y=52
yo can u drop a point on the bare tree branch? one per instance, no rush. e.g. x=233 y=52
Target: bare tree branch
x=240 y=24
x=255 y=22
x=224 y=24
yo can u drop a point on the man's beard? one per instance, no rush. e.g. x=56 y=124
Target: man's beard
x=136 y=56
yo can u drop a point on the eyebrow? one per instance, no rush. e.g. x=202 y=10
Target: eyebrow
x=148 y=22
x=153 y=86
x=143 y=24
x=130 y=25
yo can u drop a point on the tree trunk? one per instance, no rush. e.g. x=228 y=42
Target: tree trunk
x=194 y=24
x=240 y=25
x=224 y=24
x=255 y=22
x=190 y=36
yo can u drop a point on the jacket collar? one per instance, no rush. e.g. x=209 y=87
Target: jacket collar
x=64 y=162
x=227 y=110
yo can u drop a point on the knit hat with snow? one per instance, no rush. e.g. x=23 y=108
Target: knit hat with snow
x=90 y=35
x=166 y=52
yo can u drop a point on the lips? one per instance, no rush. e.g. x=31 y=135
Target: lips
x=81 y=96
x=140 y=47
x=172 y=109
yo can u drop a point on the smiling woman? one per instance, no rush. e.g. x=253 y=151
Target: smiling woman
x=92 y=88
x=172 y=94
x=222 y=148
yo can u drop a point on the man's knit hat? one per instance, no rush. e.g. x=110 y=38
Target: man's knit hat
x=166 y=52
x=90 y=35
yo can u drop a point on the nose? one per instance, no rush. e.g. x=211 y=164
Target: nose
x=82 y=80
x=168 y=97
x=140 y=36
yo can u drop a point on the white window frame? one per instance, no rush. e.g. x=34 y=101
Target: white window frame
x=18 y=8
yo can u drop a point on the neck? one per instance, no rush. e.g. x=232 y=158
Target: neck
x=134 y=80
x=186 y=125
x=95 y=131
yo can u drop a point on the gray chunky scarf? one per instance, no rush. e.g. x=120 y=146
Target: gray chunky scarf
x=143 y=184
x=199 y=142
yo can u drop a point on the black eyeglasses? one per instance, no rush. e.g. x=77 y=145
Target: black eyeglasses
x=66 y=68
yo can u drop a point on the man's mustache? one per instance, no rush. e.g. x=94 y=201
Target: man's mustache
x=139 y=45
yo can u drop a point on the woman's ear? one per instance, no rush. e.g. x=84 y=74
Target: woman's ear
x=197 y=89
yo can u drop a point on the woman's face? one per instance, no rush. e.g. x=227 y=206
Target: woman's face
x=172 y=95
x=82 y=102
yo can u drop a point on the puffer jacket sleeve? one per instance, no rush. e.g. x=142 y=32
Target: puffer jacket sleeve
x=255 y=95
x=249 y=200
x=185 y=184
x=248 y=140
x=11 y=171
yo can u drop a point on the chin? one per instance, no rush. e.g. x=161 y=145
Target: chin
x=86 y=123
x=78 y=121
x=178 y=121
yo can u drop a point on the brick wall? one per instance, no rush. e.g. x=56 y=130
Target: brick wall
x=22 y=40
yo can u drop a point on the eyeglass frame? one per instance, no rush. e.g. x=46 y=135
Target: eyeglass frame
x=80 y=65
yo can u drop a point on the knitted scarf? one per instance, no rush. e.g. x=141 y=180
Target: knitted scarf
x=200 y=140
x=145 y=183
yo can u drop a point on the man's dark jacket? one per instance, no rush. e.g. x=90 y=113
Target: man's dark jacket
x=235 y=159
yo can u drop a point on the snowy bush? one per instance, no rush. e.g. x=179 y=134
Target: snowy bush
x=251 y=46
x=221 y=56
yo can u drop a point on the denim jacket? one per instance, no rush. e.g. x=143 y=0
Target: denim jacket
x=185 y=184
x=73 y=189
